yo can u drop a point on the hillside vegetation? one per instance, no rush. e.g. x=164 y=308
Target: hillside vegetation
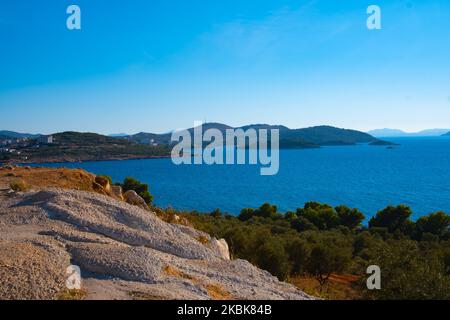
x=321 y=242
x=312 y=137
x=75 y=146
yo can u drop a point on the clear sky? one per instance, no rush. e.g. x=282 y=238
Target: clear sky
x=156 y=65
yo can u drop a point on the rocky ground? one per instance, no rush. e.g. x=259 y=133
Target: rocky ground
x=124 y=252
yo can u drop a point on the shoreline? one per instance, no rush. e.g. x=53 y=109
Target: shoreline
x=55 y=161
x=64 y=160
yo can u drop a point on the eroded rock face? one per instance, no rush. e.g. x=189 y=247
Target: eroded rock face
x=123 y=252
x=133 y=198
x=124 y=223
x=104 y=183
x=221 y=248
x=117 y=192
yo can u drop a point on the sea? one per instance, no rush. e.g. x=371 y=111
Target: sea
x=416 y=173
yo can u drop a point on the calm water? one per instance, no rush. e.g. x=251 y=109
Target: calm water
x=369 y=178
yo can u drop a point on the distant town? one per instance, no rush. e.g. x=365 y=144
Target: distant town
x=13 y=146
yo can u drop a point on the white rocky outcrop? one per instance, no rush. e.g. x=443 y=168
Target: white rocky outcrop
x=122 y=251
x=220 y=247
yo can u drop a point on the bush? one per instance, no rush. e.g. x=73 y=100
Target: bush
x=272 y=257
x=322 y=216
x=435 y=223
x=302 y=224
x=298 y=253
x=265 y=211
x=325 y=260
x=292 y=244
x=409 y=274
x=141 y=189
x=393 y=218
x=350 y=218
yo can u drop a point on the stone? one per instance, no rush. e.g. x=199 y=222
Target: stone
x=133 y=198
x=104 y=183
x=220 y=247
x=117 y=192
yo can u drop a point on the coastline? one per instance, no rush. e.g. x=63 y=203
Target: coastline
x=65 y=160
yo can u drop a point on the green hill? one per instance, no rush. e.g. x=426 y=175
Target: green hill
x=313 y=137
x=75 y=146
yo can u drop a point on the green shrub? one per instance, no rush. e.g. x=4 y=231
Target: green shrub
x=319 y=240
x=435 y=223
x=141 y=189
x=272 y=257
x=325 y=260
x=298 y=253
x=393 y=218
x=408 y=273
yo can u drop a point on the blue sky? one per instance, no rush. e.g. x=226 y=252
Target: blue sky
x=156 y=65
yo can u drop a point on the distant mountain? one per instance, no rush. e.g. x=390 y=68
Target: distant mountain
x=77 y=146
x=386 y=133
x=312 y=137
x=432 y=132
x=118 y=135
x=264 y=126
x=327 y=135
x=15 y=135
x=165 y=138
x=147 y=138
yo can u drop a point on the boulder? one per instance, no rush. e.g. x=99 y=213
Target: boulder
x=117 y=192
x=133 y=198
x=104 y=183
x=99 y=188
x=220 y=247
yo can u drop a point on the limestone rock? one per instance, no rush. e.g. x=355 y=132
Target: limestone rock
x=122 y=252
x=133 y=198
x=117 y=192
x=220 y=247
x=104 y=183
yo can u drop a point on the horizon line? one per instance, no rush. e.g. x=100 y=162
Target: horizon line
x=215 y=122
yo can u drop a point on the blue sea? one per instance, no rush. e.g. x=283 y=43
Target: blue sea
x=415 y=173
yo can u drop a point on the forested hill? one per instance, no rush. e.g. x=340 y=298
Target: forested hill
x=76 y=146
x=312 y=137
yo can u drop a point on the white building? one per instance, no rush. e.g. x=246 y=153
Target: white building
x=46 y=139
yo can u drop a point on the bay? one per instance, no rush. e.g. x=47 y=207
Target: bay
x=415 y=173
